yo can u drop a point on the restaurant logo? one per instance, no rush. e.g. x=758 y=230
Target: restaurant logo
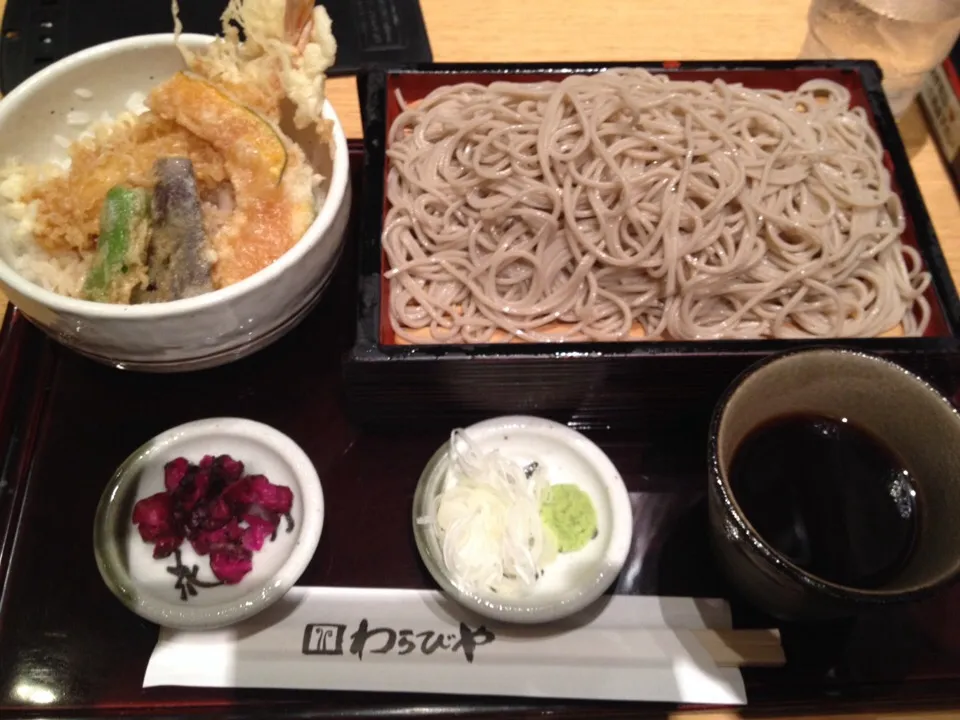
x=331 y=639
x=319 y=639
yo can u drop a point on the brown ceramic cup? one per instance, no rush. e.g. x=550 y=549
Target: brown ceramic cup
x=899 y=409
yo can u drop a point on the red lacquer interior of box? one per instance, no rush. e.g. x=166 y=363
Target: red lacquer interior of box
x=416 y=86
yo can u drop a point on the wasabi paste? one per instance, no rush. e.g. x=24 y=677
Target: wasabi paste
x=569 y=514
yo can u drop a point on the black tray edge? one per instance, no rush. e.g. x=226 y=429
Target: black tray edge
x=23 y=368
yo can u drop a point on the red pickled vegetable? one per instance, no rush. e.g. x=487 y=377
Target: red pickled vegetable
x=218 y=514
x=207 y=541
x=173 y=472
x=240 y=493
x=192 y=490
x=258 y=530
x=154 y=517
x=275 y=498
x=219 y=510
x=230 y=564
x=231 y=470
x=165 y=545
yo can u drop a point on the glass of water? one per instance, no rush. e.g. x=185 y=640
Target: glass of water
x=907 y=38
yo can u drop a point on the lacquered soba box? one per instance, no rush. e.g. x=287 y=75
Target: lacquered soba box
x=633 y=383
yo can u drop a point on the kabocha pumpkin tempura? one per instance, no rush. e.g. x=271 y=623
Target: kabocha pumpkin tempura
x=201 y=190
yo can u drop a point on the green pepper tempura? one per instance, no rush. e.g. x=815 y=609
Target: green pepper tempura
x=120 y=263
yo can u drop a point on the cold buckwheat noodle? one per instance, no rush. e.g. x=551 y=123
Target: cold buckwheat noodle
x=621 y=204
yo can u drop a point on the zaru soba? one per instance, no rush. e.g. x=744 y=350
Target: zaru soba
x=626 y=205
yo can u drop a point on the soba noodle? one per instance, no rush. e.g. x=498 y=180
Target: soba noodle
x=626 y=204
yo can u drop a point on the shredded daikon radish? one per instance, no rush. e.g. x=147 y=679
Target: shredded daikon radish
x=488 y=522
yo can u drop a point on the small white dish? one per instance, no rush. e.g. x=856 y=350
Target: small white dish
x=155 y=589
x=575 y=580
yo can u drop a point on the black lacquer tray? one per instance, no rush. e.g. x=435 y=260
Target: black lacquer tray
x=68 y=648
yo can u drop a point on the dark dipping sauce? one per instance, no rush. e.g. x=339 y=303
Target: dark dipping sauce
x=829 y=496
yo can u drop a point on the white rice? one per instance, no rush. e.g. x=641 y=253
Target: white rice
x=62 y=273
x=136 y=103
x=83 y=93
x=78 y=118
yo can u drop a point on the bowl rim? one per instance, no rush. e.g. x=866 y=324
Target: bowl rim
x=338 y=180
x=719 y=482
x=258 y=597
x=610 y=563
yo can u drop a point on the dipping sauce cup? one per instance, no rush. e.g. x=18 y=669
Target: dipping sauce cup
x=902 y=412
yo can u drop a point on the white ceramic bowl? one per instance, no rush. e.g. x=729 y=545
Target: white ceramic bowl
x=574 y=580
x=148 y=586
x=188 y=334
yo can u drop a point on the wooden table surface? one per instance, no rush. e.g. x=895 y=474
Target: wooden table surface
x=584 y=30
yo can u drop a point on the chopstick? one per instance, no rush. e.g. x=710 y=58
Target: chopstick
x=737 y=648
x=638 y=646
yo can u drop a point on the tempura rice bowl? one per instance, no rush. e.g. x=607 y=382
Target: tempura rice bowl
x=105 y=81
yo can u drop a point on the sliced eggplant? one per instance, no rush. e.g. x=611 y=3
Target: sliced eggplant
x=179 y=267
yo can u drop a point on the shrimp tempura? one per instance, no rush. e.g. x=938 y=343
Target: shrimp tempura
x=288 y=48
